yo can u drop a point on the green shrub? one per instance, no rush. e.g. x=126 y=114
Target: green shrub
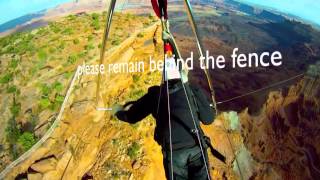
x=14 y=63
x=57 y=102
x=42 y=55
x=133 y=150
x=59 y=99
x=41 y=31
x=33 y=119
x=54 y=27
x=12 y=131
x=135 y=78
x=12 y=135
x=15 y=108
x=137 y=93
x=140 y=35
x=71 y=17
x=72 y=59
x=95 y=24
x=129 y=16
x=68 y=74
x=62 y=45
x=95 y=16
x=52 y=50
x=12 y=89
x=82 y=54
x=89 y=47
x=146 y=24
x=6 y=78
x=67 y=31
x=57 y=86
x=76 y=41
x=116 y=42
x=27 y=140
x=45 y=90
x=90 y=37
x=44 y=103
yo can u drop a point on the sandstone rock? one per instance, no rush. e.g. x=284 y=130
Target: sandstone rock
x=44 y=116
x=51 y=175
x=35 y=176
x=45 y=165
x=136 y=164
x=64 y=161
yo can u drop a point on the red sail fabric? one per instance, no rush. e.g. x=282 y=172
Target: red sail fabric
x=157 y=4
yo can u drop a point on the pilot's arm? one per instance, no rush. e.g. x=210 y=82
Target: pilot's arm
x=137 y=110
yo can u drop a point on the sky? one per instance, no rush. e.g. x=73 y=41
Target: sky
x=11 y=9
x=305 y=9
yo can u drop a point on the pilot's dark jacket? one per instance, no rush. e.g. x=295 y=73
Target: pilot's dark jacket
x=155 y=102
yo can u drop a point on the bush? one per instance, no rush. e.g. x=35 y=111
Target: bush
x=140 y=35
x=95 y=21
x=12 y=131
x=45 y=89
x=14 y=63
x=72 y=59
x=42 y=55
x=90 y=37
x=95 y=24
x=89 y=47
x=67 y=31
x=6 y=78
x=59 y=99
x=57 y=102
x=68 y=74
x=15 y=109
x=57 y=86
x=133 y=150
x=27 y=140
x=71 y=17
x=62 y=45
x=76 y=41
x=44 y=103
x=116 y=42
x=12 y=89
x=54 y=27
x=135 y=78
x=95 y=16
x=146 y=24
x=52 y=50
x=136 y=93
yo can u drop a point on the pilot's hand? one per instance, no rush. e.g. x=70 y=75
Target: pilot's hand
x=116 y=108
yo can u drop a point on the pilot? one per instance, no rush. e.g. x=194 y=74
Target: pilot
x=178 y=108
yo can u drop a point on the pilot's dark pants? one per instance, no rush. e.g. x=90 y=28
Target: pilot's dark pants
x=188 y=164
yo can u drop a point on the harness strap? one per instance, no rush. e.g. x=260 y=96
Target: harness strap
x=206 y=139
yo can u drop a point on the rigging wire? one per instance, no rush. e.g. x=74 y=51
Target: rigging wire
x=260 y=89
x=170 y=130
